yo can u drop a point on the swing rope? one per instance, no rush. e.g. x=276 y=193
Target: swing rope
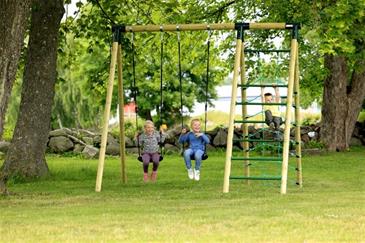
x=180 y=77
x=205 y=155
x=207 y=81
x=134 y=90
x=161 y=91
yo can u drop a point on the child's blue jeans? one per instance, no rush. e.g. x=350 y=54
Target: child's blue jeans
x=197 y=155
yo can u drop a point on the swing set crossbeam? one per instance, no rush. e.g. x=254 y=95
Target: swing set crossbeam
x=193 y=27
x=266 y=50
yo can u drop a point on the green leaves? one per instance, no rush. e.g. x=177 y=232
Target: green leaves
x=87 y=62
x=328 y=27
x=79 y=4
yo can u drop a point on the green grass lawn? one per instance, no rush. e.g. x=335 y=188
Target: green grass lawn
x=64 y=207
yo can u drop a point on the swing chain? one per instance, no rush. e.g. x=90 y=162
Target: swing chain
x=209 y=33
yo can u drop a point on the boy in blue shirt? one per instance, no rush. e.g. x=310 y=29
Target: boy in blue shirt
x=197 y=141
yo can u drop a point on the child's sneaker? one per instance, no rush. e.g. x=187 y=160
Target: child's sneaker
x=145 y=177
x=197 y=175
x=154 y=176
x=191 y=174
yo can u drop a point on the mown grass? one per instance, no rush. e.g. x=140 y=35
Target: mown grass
x=64 y=207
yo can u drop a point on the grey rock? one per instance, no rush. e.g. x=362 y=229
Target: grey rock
x=90 y=152
x=113 y=149
x=58 y=132
x=220 y=139
x=78 y=148
x=60 y=144
x=88 y=140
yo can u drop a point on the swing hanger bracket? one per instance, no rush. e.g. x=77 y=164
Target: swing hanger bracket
x=117 y=32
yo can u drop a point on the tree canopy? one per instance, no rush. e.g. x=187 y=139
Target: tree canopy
x=85 y=58
x=327 y=28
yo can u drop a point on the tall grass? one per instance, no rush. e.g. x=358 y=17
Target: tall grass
x=64 y=207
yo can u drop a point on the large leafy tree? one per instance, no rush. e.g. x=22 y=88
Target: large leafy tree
x=26 y=155
x=344 y=58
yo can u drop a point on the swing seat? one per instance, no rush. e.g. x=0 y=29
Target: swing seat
x=204 y=156
x=141 y=160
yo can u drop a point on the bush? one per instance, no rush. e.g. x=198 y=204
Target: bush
x=262 y=147
x=219 y=119
x=314 y=144
x=129 y=128
x=310 y=118
x=8 y=133
x=214 y=119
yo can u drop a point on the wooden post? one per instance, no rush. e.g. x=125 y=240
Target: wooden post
x=298 y=147
x=245 y=144
x=121 y=115
x=237 y=61
x=284 y=169
x=104 y=135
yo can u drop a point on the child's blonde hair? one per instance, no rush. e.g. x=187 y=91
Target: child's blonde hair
x=148 y=122
x=194 y=120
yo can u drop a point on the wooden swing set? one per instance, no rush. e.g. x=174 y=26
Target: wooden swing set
x=238 y=71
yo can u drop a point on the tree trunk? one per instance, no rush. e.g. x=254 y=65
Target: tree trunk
x=14 y=15
x=342 y=100
x=356 y=96
x=26 y=154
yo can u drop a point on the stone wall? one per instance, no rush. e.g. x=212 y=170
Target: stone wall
x=88 y=143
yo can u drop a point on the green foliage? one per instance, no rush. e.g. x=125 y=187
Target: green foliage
x=314 y=144
x=326 y=28
x=361 y=117
x=85 y=62
x=214 y=119
x=8 y=132
x=310 y=119
x=270 y=148
x=130 y=129
x=79 y=101
x=343 y=26
x=11 y=115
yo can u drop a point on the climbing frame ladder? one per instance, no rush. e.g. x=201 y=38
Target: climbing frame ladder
x=292 y=89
